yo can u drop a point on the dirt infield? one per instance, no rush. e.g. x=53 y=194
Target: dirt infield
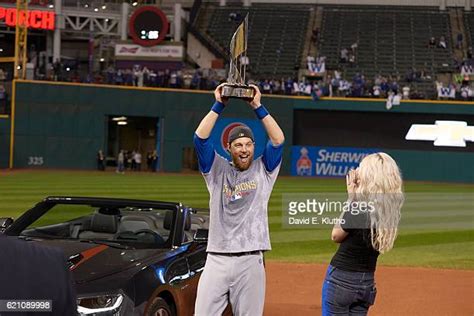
x=295 y=290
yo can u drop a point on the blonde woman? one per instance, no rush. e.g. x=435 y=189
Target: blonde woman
x=367 y=228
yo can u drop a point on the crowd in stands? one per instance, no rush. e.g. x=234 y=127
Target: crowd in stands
x=348 y=55
x=322 y=83
x=394 y=86
x=4 y=93
x=460 y=87
x=204 y=79
x=3 y=99
x=319 y=83
x=359 y=86
x=329 y=83
x=440 y=43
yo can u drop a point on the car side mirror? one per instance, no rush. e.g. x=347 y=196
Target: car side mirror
x=5 y=222
x=201 y=235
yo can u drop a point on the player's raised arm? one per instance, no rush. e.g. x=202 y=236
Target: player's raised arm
x=202 y=143
x=204 y=129
x=272 y=154
x=271 y=126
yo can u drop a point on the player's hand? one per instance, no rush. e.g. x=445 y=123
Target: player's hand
x=352 y=182
x=256 y=101
x=218 y=94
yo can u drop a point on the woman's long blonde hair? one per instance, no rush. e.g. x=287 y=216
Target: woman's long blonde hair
x=380 y=181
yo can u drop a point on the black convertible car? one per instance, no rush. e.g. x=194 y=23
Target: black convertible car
x=128 y=257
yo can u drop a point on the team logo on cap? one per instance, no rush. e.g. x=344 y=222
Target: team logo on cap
x=226 y=132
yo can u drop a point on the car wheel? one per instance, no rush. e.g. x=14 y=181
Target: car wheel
x=160 y=308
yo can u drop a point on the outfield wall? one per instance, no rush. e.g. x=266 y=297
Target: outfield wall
x=435 y=166
x=64 y=124
x=4 y=141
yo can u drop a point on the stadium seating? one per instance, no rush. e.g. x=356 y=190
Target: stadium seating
x=276 y=35
x=391 y=40
x=469 y=26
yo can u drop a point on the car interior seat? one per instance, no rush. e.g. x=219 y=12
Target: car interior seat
x=102 y=226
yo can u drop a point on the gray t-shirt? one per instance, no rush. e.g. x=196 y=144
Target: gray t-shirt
x=239 y=206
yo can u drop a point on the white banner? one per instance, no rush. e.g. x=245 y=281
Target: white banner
x=159 y=51
x=467 y=70
x=317 y=67
x=446 y=92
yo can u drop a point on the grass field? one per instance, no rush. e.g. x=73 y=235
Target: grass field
x=437 y=228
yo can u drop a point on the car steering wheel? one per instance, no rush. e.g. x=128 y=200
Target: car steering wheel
x=147 y=233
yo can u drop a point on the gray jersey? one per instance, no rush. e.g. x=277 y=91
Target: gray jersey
x=239 y=206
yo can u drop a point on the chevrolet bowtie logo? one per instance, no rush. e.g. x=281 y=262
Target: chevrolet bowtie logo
x=443 y=133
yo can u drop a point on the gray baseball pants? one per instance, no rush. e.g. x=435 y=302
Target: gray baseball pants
x=238 y=279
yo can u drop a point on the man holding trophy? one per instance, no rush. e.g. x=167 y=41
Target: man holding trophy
x=239 y=193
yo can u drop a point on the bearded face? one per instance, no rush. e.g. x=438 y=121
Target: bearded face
x=241 y=151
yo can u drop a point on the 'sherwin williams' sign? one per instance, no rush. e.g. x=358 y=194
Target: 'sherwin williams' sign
x=326 y=161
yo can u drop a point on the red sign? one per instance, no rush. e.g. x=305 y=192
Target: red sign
x=124 y=50
x=148 y=26
x=34 y=19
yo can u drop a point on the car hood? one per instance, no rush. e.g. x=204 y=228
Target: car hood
x=92 y=261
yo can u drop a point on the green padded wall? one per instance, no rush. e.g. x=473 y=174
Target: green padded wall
x=4 y=142
x=65 y=124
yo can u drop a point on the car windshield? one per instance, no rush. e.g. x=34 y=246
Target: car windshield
x=127 y=226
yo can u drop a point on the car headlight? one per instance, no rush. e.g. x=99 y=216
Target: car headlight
x=96 y=305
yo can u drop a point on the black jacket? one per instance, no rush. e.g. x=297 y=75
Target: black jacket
x=31 y=271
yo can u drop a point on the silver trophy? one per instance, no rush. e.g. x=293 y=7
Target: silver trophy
x=235 y=86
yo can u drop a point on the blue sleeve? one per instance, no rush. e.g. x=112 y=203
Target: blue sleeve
x=272 y=156
x=205 y=152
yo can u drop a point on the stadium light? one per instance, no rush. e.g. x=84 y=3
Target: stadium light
x=134 y=3
x=443 y=133
x=122 y=123
x=104 y=7
x=96 y=9
x=119 y=118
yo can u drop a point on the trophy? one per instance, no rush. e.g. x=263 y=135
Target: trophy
x=235 y=86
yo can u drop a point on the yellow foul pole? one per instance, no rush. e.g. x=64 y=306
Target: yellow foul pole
x=21 y=33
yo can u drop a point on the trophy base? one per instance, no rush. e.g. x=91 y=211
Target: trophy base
x=239 y=91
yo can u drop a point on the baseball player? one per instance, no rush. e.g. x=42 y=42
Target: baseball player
x=239 y=192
